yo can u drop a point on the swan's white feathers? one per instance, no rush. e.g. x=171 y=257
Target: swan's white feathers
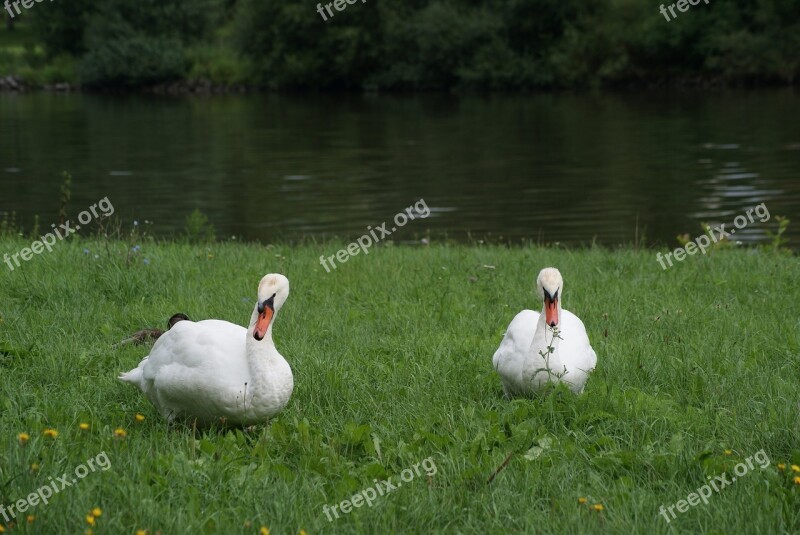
x=215 y=371
x=549 y=279
x=193 y=358
x=518 y=337
x=519 y=360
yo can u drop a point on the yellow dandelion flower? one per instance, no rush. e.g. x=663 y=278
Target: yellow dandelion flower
x=34 y=467
x=263 y=531
x=781 y=466
x=97 y=512
x=23 y=438
x=120 y=433
x=90 y=520
x=728 y=452
x=598 y=507
x=302 y=532
x=139 y=417
x=2 y=529
x=795 y=468
x=797 y=480
x=83 y=426
x=30 y=518
x=50 y=433
x=141 y=532
x=581 y=500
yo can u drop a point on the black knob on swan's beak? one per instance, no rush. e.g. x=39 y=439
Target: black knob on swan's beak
x=268 y=303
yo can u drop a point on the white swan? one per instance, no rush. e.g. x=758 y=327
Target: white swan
x=523 y=358
x=214 y=371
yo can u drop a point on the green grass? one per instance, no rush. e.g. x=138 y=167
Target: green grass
x=392 y=361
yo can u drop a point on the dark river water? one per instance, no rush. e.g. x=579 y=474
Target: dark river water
x=551 y=168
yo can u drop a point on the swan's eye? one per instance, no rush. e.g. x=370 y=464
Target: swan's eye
x=268 y=303
x=549 y=297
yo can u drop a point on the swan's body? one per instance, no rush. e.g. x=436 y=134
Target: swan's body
x=214 y=371
x=523 y=358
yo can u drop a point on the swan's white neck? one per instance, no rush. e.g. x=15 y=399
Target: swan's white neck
x=545 y=337
x=262 y=357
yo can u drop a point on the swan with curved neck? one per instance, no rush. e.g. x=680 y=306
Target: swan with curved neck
x=214 y=371
x=547 y=347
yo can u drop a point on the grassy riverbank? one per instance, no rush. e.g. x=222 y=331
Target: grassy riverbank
x=698 y=369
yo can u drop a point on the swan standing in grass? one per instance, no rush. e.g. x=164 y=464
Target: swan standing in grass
x=214 y=371
x=524 y=359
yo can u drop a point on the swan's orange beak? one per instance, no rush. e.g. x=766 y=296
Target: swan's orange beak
x=551 y=309
x=263 y=321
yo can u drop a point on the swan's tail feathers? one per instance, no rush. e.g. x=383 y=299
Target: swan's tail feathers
x=134 y=377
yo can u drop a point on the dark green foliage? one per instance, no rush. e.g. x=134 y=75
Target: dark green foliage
x=133 y=61
x=441 y=45
x=60 y=25
x=517 y=44
x=128 y=44
x=290 y=46
x=143 y=42
x=428 y=44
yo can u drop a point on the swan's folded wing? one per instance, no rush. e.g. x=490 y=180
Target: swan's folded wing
x=193 y=345
x=518 y=337
x=576 y=342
